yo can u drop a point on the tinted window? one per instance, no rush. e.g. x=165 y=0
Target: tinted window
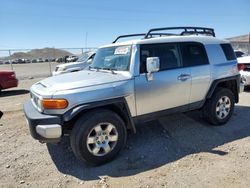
x=168 y=54
x=228 y=51
x=193 y=54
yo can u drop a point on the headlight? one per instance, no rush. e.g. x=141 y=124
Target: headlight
x=54 y=103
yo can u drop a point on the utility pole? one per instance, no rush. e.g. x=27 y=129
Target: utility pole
x=10 y=61
x=86 y=40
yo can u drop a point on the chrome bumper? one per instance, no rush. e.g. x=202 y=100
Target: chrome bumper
x=49 y=131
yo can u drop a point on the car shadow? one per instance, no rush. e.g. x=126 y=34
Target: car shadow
x=7 y=93
x=158 y=143
x=247 y=89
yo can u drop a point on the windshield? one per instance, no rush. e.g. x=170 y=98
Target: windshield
x=83 y=58
x=113 y=58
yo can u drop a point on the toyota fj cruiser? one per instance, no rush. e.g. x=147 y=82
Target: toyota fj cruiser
x=135 y=81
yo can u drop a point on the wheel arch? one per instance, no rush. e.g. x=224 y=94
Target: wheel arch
x=232 y=83
x=118 y=105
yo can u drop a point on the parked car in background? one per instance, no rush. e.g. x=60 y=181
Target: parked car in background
x=27 y=61
x=239 y=53
x=81 y=64
x=244 y=69
x=7 y=79
x=39 y=60
x=72 y=58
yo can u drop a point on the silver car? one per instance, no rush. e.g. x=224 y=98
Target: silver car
x=244 y=68
x=135 y=81
x=83 y=62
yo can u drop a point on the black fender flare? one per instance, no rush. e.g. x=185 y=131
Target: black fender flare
x=117 y=103
x=218 y=81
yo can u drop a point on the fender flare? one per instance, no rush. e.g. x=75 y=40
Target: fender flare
x=120 y=103
x=218 y=81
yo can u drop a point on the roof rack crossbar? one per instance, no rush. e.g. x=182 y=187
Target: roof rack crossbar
x=194 y=30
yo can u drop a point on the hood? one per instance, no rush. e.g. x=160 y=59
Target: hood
x=68 y=65
x=82 y=79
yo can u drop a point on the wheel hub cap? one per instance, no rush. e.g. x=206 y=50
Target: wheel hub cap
x=223 y=107
x=102 y=139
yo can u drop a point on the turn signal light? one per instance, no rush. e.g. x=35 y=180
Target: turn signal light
x=54 y=103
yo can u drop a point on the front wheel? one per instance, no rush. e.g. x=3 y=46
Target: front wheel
x=98 y=136
x=220 y=107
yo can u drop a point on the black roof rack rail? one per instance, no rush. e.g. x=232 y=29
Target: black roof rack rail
x=187 y=30
x=131 y=35
x=142 y=34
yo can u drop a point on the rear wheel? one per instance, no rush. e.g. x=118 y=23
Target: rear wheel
x=98 y=136
x=220 y=107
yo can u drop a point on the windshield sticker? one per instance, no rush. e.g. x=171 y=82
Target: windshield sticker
x=121 y=50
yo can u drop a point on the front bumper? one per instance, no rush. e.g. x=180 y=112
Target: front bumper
x=45 y=128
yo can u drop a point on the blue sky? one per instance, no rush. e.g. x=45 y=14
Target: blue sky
x=64 y=23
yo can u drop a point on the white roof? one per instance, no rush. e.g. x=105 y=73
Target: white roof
x=188 y=38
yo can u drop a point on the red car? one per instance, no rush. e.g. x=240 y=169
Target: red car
x=7 y=79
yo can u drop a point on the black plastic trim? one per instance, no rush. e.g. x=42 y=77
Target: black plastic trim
x=35 y=118
x=216 y=82
x=158 y=114
x=69 y=115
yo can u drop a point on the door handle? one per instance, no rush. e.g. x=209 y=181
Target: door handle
x=183 y=77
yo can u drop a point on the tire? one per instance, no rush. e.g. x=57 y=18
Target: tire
x=95 y=152
x=221 y=102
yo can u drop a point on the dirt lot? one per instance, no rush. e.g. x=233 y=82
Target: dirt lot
x=175 y=151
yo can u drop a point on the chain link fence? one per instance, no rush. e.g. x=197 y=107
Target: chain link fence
x=242 y=46
x=35 y=63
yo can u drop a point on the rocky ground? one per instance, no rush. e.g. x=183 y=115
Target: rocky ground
x=175 y=151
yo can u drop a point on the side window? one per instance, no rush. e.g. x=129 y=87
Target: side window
x=167 y=53
x=193 y=54
x=228 y=51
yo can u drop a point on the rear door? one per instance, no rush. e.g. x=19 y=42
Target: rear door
x=195 y=57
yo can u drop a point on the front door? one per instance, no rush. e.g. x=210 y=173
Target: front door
x=170 y=86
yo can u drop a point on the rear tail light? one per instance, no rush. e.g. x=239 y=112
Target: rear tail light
x=241 y=66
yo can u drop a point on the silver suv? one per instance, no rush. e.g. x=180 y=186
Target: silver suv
x=135 y=81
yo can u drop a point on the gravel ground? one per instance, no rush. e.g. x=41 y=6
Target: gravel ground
x=175 y=151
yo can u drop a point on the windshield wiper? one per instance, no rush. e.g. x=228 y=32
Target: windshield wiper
x=111 y=69
x=97 y=68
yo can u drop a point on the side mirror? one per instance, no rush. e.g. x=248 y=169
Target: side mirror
x=153 y=65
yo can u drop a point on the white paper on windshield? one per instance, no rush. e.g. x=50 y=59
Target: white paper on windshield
x=121 y=50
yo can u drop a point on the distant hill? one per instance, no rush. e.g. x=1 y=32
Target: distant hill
x=39 y=53
x=241 y=38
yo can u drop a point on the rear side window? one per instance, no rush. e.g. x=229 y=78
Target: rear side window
x=168 y=54
x=228 y=51
x=193 y=54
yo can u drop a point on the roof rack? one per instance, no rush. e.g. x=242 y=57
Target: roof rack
x=187 y=31
x=131 y=35
x=142 y=34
